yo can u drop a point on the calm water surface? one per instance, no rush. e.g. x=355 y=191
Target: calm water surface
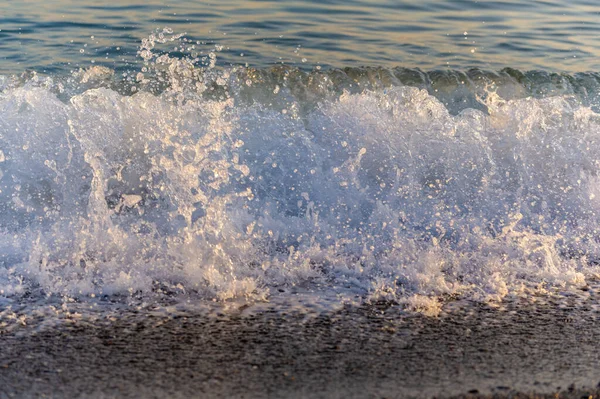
x=51 y=35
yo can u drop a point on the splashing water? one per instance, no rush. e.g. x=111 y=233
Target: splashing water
x=221 y=183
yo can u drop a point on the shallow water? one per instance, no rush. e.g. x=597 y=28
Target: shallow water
x=157 y=165
x=430 y=34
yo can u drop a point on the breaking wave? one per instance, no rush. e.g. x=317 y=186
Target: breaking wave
x=213 y=183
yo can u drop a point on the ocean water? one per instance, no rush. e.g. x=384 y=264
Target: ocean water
x=338 y=152
x=551 y=35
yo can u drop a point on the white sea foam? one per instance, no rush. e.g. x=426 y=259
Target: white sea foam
x=383 y=194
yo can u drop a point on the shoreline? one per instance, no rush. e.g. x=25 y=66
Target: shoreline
x=543 y=349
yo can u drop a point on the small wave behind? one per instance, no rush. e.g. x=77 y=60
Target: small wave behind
x=210 y=183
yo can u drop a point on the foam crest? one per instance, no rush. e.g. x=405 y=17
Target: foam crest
x=381 y=194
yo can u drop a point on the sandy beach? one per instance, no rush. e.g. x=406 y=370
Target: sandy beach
x=546 y=349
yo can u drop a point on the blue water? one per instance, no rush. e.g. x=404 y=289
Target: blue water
x=347 y=151
x=546 y=35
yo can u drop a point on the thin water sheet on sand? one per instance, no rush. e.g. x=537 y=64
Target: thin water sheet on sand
x=524 y=348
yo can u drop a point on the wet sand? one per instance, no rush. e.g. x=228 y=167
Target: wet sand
x=523 y=350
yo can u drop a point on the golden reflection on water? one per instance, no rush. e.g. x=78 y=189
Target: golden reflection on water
x=428 y=34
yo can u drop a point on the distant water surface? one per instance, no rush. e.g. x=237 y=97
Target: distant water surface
x=429 y=34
